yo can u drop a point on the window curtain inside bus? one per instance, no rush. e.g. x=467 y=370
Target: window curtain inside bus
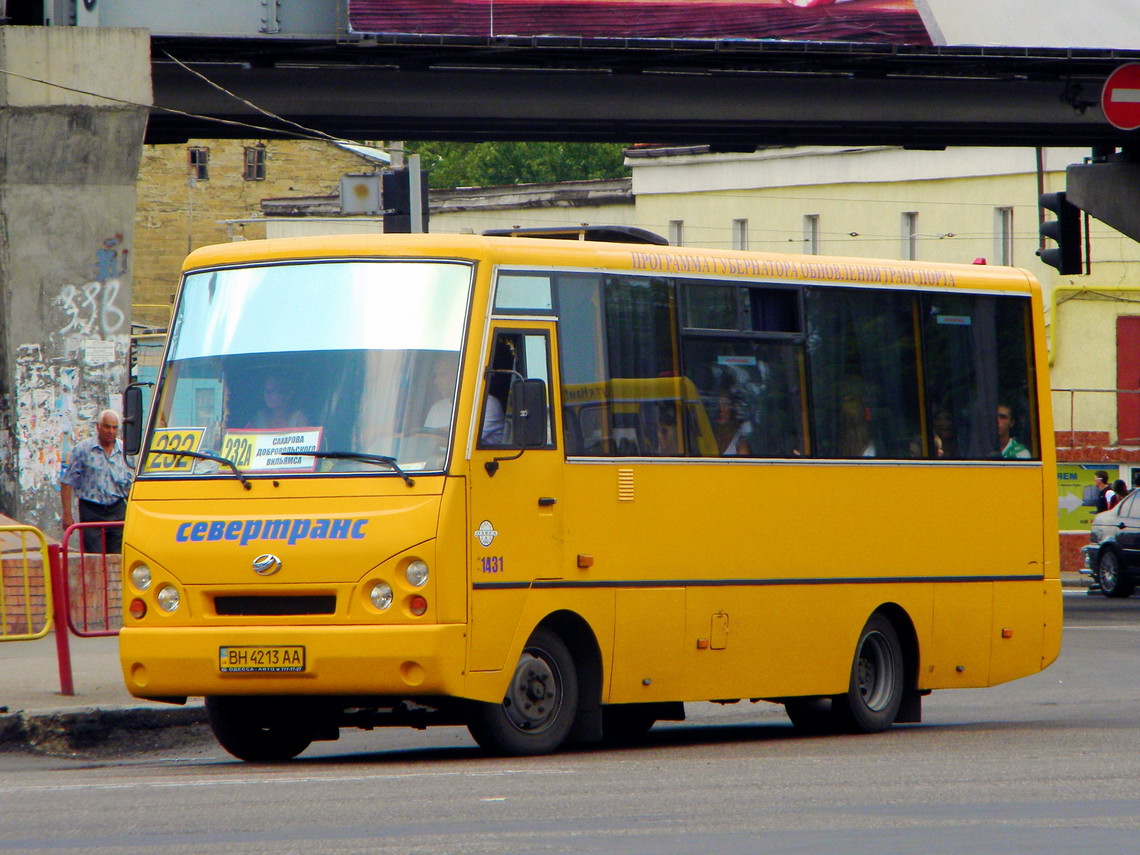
x=863 y=363
x=640 y=327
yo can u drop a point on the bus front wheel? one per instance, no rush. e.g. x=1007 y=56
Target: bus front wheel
x=875 y=693
x=540 y=705
x=260 y=730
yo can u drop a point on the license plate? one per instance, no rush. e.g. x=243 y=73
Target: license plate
x=257 y=658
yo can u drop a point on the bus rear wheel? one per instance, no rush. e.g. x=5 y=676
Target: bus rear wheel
x=875 y=693
x=260 y=730
x=540 y=705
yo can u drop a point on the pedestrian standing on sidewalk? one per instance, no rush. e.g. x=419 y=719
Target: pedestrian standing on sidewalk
x=98 y=475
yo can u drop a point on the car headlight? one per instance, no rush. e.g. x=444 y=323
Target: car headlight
x=140 y=577
x=381 y=595
x=168 y=598
x=416 y=573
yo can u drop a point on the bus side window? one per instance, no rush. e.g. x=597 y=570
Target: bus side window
x=515 y=356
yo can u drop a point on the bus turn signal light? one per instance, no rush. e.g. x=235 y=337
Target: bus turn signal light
x=417 y=605
x=138 y=608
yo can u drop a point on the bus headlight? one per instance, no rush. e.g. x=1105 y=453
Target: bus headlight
x=168 y=598
x=416 y=573
x=381 y=595
x=140 y=577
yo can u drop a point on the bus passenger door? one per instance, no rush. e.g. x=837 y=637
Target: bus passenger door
x=516 y=518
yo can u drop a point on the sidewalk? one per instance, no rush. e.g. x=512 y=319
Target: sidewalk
x=101 y=709
x=33 y=713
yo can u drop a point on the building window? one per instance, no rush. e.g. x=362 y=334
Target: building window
x=254 y=163
x=811 y=234
x=908 y=249
x=1003 y=235
x=677 y=232
x=199 y=160
x=740 y=234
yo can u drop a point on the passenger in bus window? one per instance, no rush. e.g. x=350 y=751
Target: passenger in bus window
x=732 y=429
x=943 y=424
x=278 y=410
x=855 y=438
x=1011 y=449
x=494 y=421
x=443 y=374
x=438 y=417
x=668 y=440
x=915 y=447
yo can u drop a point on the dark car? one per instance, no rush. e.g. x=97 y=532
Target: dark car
x=1112 y=557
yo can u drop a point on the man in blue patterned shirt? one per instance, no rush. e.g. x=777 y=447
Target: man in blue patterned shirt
x=98 y=475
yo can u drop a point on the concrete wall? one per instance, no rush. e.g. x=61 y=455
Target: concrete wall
x=68 y=163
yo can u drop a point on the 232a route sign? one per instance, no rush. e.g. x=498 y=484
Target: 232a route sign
x=1120 y=98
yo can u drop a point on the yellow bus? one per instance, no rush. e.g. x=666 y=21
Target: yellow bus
x=553 y=490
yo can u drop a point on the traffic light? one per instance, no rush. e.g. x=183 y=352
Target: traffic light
x=1065 y=230
x=396 y=197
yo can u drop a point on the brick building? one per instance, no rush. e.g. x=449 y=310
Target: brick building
x=204 y=191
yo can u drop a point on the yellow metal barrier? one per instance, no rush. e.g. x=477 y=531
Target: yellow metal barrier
x=25 y=591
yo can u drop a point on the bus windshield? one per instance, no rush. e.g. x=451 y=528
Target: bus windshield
x=312 y=367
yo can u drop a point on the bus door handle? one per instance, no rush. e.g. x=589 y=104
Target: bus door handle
x=546 y=501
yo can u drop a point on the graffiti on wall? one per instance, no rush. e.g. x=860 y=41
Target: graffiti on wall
x=93 y=308
x=63 y=384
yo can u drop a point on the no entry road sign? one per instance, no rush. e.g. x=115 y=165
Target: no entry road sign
x=1120 y=98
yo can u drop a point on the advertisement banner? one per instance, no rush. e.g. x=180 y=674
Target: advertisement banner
x=1072 y=479
x=878 y=21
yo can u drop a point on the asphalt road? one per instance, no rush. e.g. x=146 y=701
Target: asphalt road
x=1048 y=764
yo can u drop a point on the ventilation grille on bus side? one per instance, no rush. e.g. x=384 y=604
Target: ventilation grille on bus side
x=625 y=485
x=253 y=606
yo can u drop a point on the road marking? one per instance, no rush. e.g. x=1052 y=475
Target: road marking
x=1114 y=627
x=271 y=779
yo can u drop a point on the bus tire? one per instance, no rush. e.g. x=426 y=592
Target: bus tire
x=877 y=681
x=1108 y=576
x=260 y=730
x=811 y=716
x=538 y=710
x=627 y=724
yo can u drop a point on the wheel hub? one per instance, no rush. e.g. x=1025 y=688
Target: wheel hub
x=533 y=700
x=874 y=673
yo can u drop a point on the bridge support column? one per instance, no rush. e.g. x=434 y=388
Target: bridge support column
x=68 y=165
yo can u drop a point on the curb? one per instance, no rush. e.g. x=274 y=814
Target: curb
x=91 y=729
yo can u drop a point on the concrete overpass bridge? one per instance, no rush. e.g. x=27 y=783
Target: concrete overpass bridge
x=733 y=95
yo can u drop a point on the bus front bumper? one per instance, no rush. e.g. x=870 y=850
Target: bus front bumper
x=401 y=661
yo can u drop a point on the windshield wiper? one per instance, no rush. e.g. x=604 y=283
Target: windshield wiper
x=204 y=455
x=359 y=455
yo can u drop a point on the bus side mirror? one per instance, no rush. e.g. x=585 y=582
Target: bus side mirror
x=530 y=416
x=132 y=419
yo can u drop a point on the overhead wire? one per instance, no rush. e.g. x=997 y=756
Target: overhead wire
x=318 y=133
x=303 y=133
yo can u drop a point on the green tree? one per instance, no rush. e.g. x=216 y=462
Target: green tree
x=455 y=164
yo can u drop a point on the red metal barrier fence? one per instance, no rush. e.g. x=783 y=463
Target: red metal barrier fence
x=90 y=586
x=25 y=587
x=88 y=596
x=42 y=585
